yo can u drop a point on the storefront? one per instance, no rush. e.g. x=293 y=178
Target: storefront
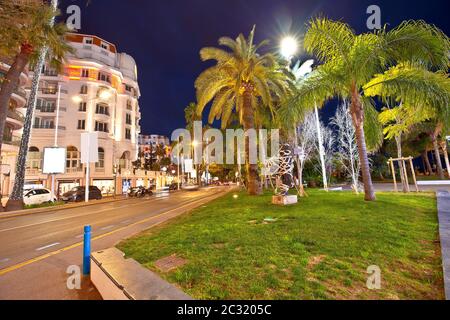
x=67 y=185
x=105 y=186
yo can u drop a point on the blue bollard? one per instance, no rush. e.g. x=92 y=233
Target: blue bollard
x=87 y=250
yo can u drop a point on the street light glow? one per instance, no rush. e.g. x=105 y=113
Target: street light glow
x=77 y=99
x=104 y=94
x=288 y=47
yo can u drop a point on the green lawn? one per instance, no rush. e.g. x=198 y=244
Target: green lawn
x=318 y=249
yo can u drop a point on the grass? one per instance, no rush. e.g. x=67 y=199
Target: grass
x=317 y=249
x=45 y=205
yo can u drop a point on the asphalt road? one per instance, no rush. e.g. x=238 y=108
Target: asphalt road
x=36 y=249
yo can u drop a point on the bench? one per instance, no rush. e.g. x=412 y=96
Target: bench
x=117 y=278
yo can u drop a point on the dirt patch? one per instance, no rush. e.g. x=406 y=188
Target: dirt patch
x=314 y=261
x=170 y=263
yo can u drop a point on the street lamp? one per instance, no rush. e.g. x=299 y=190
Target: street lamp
x=288 y=47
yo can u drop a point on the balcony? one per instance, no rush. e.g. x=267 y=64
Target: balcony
x=50 y=73
x=11 y=140
x=46 y=109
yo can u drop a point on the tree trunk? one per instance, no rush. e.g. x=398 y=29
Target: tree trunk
x=253 y=183
x=15 y=201
x=10 y=83
x=447 y=161
x=437 y=155
x=357 y=113
x=428 y=167
x=403 y=178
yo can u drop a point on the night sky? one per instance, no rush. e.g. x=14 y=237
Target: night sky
x=165 y=37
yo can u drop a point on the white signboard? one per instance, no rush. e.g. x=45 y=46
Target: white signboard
x=54 y=161
x=89 y=147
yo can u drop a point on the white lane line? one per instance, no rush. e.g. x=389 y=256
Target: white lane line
x=4 y=260
x=46 y=247
x=108 y=227
x=126 y=221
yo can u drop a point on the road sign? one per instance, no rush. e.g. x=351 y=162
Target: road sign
x=54 y=160
x=89 y=147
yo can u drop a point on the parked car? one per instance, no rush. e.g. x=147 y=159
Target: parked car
x=139 y=192
x=78 y=194
x=37 y=196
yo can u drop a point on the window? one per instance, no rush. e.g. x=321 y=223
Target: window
x=84 y=89
x=128 y=134
x=104 y=46
x=33 y=159
x=128 y=119
x=82 y=107
x=101 y=158
x=104 y=77
x=43 y=123
x=129 y=105
x=101 y=126
x=102 y=109
x=88 y=40
x=85 y=73
x=73 y=159
x=128 y=88
x=45 y=105
x=81 y=124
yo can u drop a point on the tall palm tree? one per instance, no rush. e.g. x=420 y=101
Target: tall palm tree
x=351 y=61
x=25 y=32
x=50 y=45
x=242 y=81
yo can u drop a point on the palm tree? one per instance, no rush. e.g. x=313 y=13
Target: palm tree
x=49 y=44
x=25 y=32
x=426 y=95
x=351 y=61
x=242 y=81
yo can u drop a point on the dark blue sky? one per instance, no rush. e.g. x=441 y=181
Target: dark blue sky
x=165 y=37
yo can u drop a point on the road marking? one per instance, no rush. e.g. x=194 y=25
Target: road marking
x=61 y=219
x=46 y=247
x=126 y=221
x=78 y=244
x=108 y=227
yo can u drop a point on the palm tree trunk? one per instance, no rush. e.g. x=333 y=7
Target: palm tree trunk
x=437 y=155
x=357 y=113
x=10 y=83
x=447 y=161
x=428 y=167
x=253 y=185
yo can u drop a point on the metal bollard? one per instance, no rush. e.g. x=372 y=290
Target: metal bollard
x=87 y=250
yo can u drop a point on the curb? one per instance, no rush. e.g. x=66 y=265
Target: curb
x=443 y=202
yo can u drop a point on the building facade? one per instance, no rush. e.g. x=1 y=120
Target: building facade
x=97 y=91
x=13 y=128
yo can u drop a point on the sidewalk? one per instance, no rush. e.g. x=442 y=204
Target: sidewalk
x=443 y=198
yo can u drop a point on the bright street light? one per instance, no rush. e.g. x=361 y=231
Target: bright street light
x=104 y=94
x=77 y=99
x=288 y=47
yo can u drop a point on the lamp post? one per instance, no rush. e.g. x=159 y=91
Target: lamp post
x=105 y=94
x=288 y=49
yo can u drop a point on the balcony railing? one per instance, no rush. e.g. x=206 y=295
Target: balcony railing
x=33 y=171
x=11 y=140
x=46 y=109
x=21 y=93
x=74 y=170
x=16 y=115
x=47 y=126
x=50 y=73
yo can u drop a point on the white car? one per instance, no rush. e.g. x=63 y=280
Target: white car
x=37 y=196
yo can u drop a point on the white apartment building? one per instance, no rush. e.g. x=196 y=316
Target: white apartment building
x=97 y=91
